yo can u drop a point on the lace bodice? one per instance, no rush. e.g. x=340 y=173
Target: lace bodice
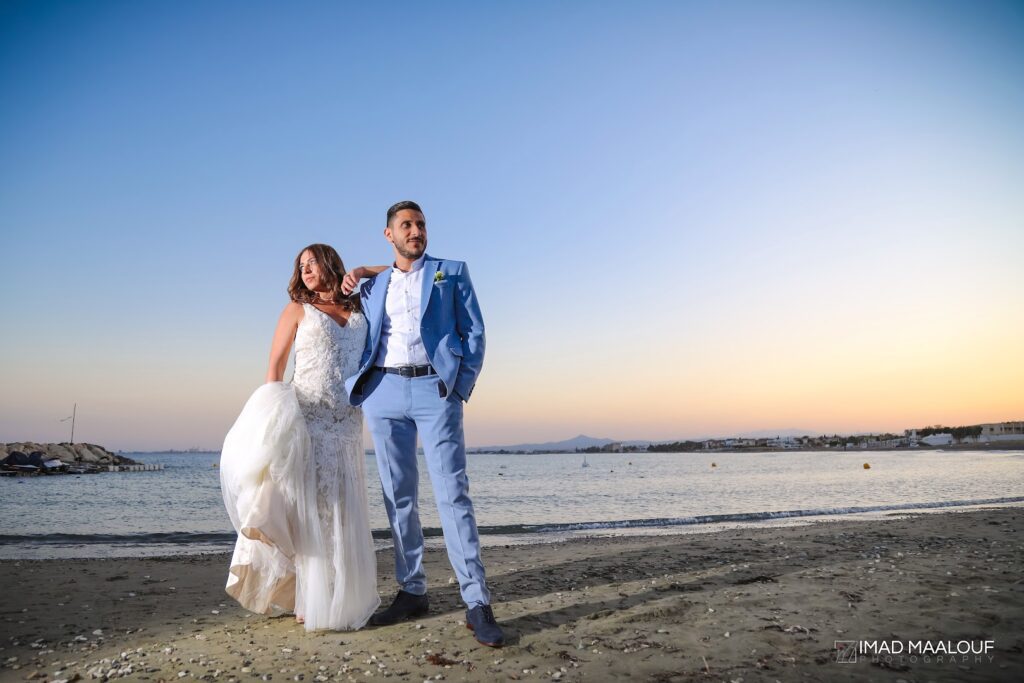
x=325 y=354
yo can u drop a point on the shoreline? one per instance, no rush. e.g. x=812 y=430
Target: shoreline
x=152 y=545
x=987 y=446
x=757 y=603
x=1008 y=445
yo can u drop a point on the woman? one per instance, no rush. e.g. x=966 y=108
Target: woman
x=292 y=466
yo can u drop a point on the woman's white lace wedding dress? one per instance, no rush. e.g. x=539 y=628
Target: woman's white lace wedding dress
x=292 y=475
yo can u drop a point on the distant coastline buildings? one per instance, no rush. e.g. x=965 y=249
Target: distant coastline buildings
x=937 y=435
x=922 y=437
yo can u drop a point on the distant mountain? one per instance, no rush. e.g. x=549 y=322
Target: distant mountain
x=584 y=441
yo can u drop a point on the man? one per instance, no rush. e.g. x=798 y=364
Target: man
x=422 y=358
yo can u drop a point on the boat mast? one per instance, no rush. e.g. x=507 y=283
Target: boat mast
x=72 y=418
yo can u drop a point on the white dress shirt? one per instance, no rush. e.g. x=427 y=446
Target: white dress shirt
x=400 y=341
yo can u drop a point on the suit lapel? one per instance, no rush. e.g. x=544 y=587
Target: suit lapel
x=430 y=267
x=378 y=299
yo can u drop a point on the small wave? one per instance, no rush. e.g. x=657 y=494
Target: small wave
x=227 y=538
x=171 y=537
x=758 y=516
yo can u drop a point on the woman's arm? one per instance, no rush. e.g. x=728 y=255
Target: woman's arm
x=284 y=335
x=352 y=277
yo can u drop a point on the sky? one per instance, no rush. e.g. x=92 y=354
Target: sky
x=682 y=219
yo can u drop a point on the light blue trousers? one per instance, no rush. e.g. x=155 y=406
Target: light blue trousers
x=396 y=408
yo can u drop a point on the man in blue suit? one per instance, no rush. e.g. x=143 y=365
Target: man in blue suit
x=422 y=359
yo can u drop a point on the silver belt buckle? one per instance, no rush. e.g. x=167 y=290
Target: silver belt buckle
x=407 y=371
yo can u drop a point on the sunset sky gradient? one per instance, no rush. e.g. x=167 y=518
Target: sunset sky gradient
x=683 y=219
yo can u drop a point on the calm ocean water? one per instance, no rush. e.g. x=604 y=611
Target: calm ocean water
x=518 y=498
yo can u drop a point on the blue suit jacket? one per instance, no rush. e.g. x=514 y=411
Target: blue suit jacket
x=451 y=326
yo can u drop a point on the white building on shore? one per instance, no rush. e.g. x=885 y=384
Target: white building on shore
x=997 y=431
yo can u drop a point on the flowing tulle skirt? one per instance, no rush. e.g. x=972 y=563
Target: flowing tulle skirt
x=304 y=543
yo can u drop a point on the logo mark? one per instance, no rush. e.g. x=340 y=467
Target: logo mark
x=846 y=651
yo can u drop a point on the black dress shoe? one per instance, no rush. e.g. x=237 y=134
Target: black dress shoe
x=405 y=606
x=480 y=620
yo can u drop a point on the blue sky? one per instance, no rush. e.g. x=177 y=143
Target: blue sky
x=682 y=218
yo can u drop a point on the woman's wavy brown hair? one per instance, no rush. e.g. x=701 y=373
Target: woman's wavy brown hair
x=332 y=270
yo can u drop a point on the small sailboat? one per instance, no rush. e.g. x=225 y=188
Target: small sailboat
x=585 y=463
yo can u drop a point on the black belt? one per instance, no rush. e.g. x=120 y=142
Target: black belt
x=408 y=370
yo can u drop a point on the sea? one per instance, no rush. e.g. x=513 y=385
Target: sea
x=533 y=498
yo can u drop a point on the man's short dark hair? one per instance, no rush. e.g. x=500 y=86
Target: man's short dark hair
x=402 y=206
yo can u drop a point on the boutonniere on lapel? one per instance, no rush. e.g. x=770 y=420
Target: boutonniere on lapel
x=438 y=277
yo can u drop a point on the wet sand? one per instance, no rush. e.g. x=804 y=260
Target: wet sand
x=753 y=604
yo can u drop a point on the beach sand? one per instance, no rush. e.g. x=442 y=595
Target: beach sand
x=750 y=604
